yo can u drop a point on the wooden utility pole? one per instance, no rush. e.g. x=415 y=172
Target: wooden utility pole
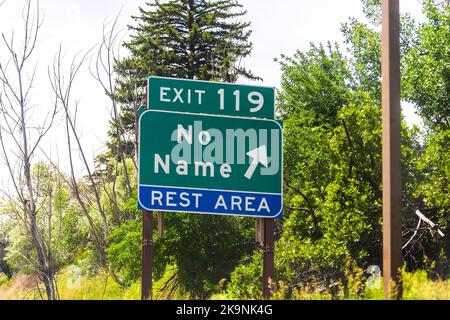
x=147 y=255
x=391 y=152
x=268 y=225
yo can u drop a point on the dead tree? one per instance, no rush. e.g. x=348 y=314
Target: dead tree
x=424 y=226
x=62 y=85
x=20 y=137
x=102 y=70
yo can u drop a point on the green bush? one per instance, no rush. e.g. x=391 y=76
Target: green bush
x=124 y=251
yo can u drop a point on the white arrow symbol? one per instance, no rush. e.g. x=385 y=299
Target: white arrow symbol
x=259 y=155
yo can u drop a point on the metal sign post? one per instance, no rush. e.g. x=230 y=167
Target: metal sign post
x=268 y=256
x=147 y=248
x=391 y=149
x=147 y=255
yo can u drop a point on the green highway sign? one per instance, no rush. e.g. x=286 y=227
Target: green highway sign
x=182 y=95
x=215 y=164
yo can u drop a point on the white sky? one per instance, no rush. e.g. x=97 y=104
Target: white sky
x=281 y=26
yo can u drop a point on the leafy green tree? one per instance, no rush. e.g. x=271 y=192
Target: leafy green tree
x=325 y=70
x=124 y=251
x=119 y=205
x=246 y=278
x=52 y=203
x=5 y=227
x=427 y=78
x=426 y=84
x=331 y=106
x=433 y=193
x=74 y=236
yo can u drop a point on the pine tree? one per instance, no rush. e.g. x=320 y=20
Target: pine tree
x=190 y=39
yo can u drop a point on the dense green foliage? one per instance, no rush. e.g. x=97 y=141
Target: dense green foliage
x=427 y=76
x=125 y=251
x=204 y=248
x=330 y=102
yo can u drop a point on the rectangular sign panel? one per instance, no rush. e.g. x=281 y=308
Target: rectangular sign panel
x=206 y=97
x=210 y=164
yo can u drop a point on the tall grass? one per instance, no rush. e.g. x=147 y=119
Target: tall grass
x=416 y=286
x=98 y=287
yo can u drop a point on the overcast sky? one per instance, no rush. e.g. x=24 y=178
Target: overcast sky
x=279 y=27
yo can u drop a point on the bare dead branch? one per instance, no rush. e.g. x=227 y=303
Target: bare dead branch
x=15 y=108
x=104 y=74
